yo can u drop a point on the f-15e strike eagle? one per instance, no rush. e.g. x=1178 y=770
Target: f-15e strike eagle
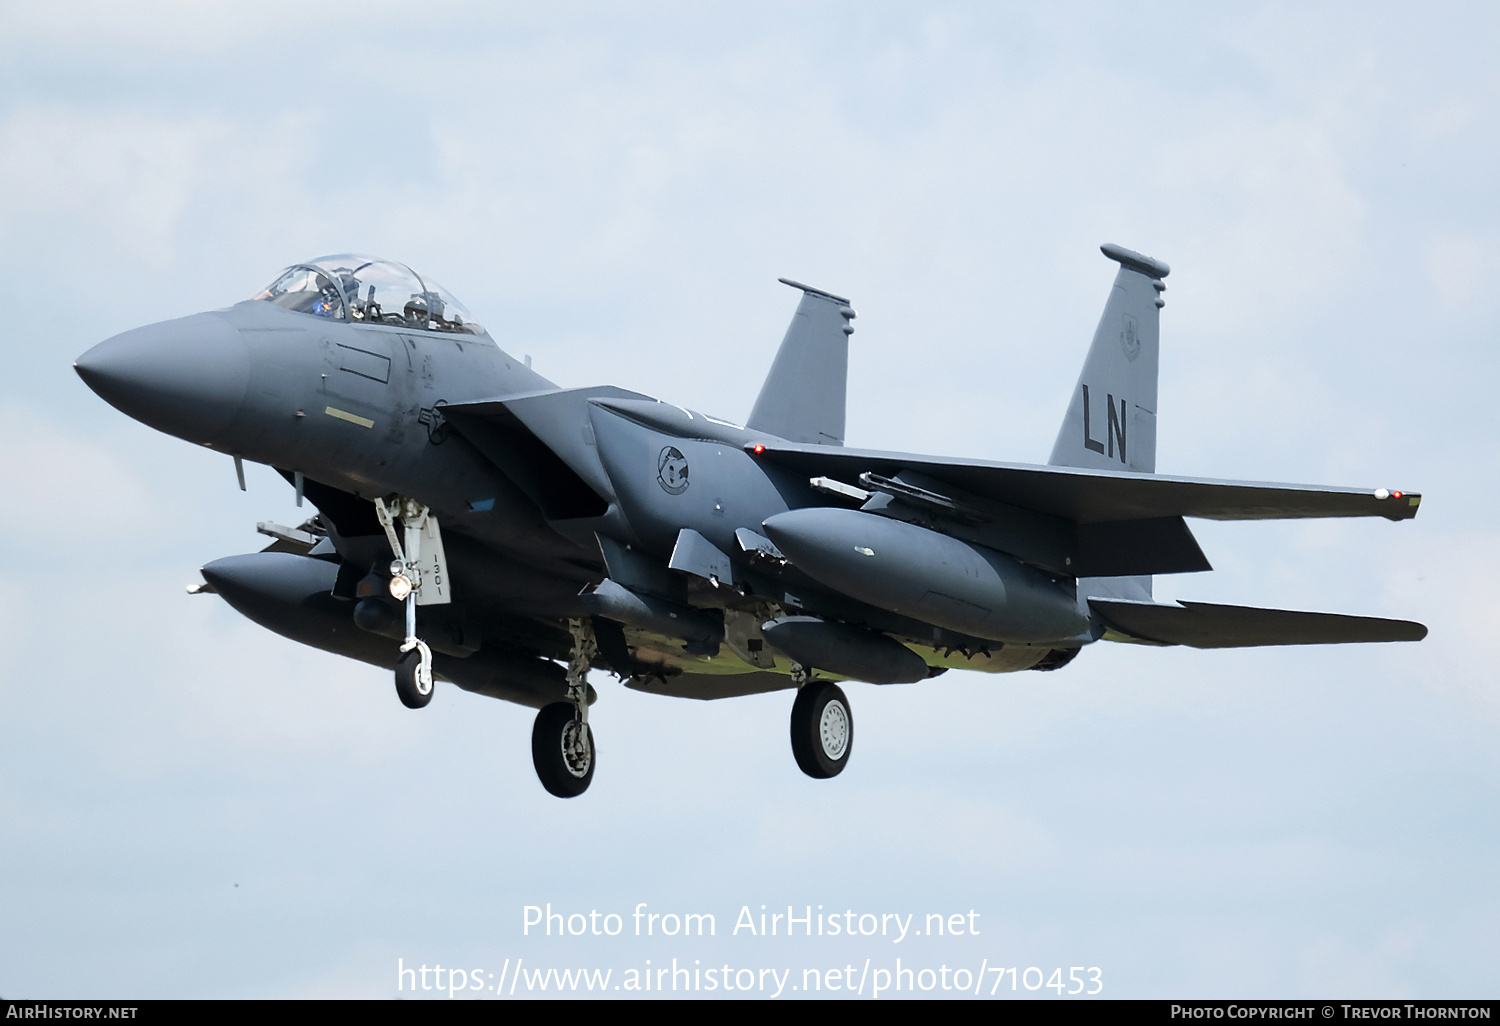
x=480 y=525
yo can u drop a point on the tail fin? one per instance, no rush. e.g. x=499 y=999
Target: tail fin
x=1111 y=420
x=803 y=397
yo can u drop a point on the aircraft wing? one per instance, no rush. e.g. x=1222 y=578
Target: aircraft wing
x=1097 y=496
x=1206 y=625
x=541 y=442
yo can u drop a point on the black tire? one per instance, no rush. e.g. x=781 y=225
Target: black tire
x=822 y=729
x=560 y=774
x=406 y=681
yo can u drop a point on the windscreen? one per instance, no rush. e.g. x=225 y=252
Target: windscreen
x=371 y=291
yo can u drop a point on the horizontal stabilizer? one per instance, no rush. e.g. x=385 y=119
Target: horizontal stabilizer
x=1095 y=496
x=1205 y=625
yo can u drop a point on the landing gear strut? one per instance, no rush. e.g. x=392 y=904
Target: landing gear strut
x=414 y=666
x=562 y=745
x=822 y=727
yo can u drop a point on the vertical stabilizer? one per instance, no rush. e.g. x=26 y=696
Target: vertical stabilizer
x=803 y=397
x=1111 y=420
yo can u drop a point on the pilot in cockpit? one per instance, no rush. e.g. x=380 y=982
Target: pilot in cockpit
x=327 y=304
x=330 y=287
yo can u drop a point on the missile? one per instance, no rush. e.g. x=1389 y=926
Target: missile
x=844 y=649
x=927 y=576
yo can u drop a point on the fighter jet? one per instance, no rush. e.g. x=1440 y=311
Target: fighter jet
x=478 y=524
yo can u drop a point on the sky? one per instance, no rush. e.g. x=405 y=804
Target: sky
x=191 y=806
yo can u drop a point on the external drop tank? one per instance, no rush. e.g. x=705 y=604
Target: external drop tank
x=928 y=576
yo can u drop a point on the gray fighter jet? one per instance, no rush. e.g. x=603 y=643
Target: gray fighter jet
x=480 y=525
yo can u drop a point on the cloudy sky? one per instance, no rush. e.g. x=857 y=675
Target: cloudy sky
x=191 y=806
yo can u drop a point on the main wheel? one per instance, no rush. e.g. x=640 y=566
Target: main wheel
x=408 y=687
x=822 y=729
x=563 y=754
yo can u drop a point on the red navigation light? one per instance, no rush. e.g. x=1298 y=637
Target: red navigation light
x=758 y=448
x=1395 y=495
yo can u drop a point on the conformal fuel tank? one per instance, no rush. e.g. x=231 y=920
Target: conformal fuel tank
x=927 y=576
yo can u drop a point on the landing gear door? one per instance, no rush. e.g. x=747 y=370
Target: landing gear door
x=433 y=565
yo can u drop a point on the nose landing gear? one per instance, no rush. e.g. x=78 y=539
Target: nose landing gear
x=414 y=683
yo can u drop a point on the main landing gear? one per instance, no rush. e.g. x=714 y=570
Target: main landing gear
x=562 y=745
x=822 y=726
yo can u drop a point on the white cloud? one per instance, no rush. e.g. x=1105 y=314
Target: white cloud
x=128 y=177
x=122 y=29
x=1462 y=269
x=977 y=834
x=77 y=491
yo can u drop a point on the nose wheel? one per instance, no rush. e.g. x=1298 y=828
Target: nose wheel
x=562 y=745
x=414 y=665
x=413 y=687
x=822 y=729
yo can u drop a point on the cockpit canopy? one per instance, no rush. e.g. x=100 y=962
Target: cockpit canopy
x=365 y=290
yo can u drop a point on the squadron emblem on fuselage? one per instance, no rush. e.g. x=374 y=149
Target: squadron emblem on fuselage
x=672 y=471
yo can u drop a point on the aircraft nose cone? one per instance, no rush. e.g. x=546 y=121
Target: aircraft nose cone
x=186 y=377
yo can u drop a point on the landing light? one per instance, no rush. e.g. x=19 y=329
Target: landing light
x=400 y=587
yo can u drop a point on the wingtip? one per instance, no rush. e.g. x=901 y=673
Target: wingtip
x=1399 y=505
